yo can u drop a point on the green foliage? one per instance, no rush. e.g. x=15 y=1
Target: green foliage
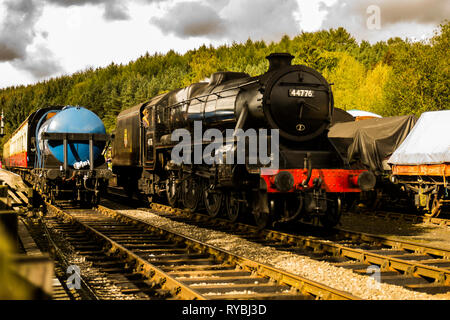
x=391 y=78
x=420 y=75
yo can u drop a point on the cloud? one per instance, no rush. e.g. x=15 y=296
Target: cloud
x=113 y=9
x=420 y=11
x=20 y=44
x=17 y=28
x=40 y=63
x=8 y=51
x=231 y=19
x=193 y=19
x=25 y=48
x=401 y=17
x=261 y=20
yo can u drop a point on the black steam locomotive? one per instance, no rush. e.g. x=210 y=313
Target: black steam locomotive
x=287 y=110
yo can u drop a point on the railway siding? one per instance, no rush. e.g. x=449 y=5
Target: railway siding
x=397 y=216
x=140 y=265
x=305 y=286
x=98 y=277
x=265 y=282
x=386 y=262
x=411 y=265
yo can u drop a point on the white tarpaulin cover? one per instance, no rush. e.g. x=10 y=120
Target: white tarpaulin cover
x=361 y=113
x=427 y=143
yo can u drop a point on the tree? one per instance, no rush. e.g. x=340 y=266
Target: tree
x=390 y=77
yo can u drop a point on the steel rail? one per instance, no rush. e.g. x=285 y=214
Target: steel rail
x=406 y=217
x=385 y=262
x=396 y=243
x=34 y=245
x=100 y=268
x=302 y=285
x=63 y=259
x=141 y=265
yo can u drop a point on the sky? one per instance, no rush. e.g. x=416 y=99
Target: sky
x=41 y=39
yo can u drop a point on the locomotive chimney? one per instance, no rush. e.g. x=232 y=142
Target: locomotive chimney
x=279 y=60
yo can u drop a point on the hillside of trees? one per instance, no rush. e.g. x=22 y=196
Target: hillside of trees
x=394 y=77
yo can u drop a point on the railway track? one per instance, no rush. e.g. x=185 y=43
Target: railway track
x=29 y=247
x=46 y=244
x=166 y=265
x=100 y=276
x=49 y=242
x=410 y=218
x=413 y=266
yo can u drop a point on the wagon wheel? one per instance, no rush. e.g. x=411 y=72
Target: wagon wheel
x=261 y=211
x=89 y=199
x=436 y=207
x=191 y=192
x=152 y=198
x=156 y=197
x=292 y=207
x=171 y=191
x=234 y=207
x=95 y=199
x=129 y=188
x=213 y=201
x=378 y=198
x=333 y=214
x=52 y=198
x=262 y=218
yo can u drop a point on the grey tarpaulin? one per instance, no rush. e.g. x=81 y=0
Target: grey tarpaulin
x=428 y=142
x=340 y=115
x=370 y=142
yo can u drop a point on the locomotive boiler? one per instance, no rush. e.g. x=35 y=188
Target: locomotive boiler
x=292 y=103
x=59 y=151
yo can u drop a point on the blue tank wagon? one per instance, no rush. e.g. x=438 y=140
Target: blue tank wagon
x=62 y=148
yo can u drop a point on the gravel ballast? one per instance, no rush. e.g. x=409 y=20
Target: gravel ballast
x=364 y=287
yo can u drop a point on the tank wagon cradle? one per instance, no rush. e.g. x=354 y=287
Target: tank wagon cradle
x=296 y=101
x=59 y=151
x=429 y=183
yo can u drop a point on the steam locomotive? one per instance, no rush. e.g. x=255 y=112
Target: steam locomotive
x=59 y=151
x=288 y=110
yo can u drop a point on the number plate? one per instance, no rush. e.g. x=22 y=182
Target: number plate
x=301 y=93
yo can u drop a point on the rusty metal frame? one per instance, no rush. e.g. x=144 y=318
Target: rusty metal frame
x=440 y=170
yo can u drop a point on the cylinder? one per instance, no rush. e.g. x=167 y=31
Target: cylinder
x=73 y=120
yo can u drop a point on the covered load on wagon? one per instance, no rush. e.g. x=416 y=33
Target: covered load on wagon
x=422 y=162
x=371 y=142
x=428 y=142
